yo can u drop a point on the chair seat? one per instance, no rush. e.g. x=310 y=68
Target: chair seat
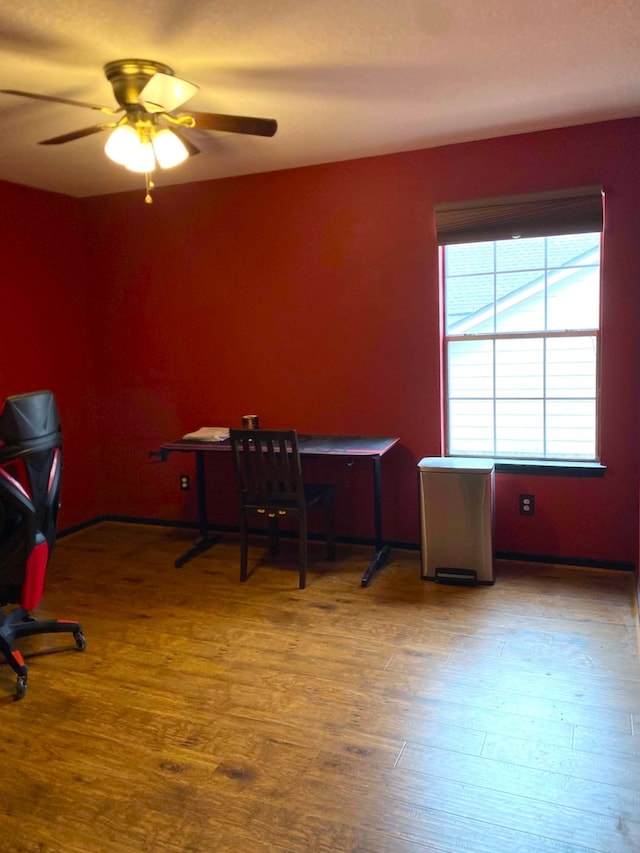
x=313 y=493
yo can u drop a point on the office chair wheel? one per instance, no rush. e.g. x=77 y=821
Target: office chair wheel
x=81 y=640
x=21 y=686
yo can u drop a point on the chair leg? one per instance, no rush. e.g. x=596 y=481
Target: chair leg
x=244 y=548
x=13 y=657
x=302 y=543
x=330 y=524
x=274 y=537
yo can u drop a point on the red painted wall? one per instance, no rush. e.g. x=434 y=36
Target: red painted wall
x=47 y=341
x=310 y=296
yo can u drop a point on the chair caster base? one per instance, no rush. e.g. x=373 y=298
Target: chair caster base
x=21 y=686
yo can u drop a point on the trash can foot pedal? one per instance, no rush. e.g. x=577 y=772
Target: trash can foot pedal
x=466 y=577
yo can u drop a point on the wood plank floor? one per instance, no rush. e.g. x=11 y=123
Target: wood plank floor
x=208 y=716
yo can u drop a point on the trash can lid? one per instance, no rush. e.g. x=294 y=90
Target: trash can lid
x=456 y=464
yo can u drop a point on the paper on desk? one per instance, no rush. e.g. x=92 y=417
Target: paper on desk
x=208 y=434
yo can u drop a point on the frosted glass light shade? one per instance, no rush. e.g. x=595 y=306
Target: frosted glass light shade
x=120 y=143
x=141 y=158
x=169 y=150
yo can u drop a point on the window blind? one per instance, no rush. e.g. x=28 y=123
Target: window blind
x=571 y=211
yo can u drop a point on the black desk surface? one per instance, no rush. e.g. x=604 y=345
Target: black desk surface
x=309 y=445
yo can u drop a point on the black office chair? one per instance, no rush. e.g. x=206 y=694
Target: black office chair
x=30 y=469
x=270 y=485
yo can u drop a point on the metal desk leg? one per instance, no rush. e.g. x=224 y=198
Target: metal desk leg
x=382 y=551
x=203 y=541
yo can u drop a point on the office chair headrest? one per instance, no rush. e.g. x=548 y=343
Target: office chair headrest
x=25 y=417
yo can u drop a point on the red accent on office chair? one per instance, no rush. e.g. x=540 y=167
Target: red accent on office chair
x=270 y=485
x=30 y=477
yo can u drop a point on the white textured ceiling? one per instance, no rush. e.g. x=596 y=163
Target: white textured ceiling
x=344 y=78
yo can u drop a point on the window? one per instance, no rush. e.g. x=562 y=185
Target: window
x=521 y=328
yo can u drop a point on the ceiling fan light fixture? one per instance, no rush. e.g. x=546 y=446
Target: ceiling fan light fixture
x=130 y=147
x=169 y=150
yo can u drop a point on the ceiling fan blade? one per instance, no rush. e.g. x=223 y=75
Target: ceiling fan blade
x=235 y=124
x=55 y=100
x=75 y=134
x=165 y=93
x=188 y=144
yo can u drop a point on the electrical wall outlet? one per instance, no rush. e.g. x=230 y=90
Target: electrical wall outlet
x=185 y=485
x=527 y=505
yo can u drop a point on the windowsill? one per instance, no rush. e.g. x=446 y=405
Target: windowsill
x=542 y=467
x=550 y=469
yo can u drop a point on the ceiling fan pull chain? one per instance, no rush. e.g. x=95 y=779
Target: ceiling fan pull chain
x=149 y=186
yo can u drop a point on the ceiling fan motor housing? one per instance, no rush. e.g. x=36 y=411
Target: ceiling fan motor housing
x=129 y=77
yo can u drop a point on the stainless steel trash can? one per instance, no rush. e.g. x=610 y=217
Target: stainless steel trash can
x=456 y=519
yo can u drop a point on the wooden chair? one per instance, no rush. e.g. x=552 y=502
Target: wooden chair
x=270 y=485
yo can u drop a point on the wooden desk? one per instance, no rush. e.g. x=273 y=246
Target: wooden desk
x=344 y=446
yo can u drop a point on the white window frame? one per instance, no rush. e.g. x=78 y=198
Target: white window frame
x=591 y=333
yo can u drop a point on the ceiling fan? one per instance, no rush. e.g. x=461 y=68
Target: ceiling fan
x=152 y=130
